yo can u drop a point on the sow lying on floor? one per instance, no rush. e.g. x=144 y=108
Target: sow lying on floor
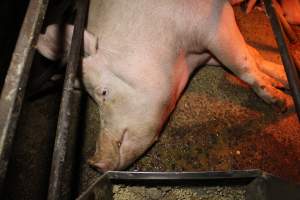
x=140 y=57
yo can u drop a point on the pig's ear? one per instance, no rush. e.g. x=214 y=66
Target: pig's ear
x=55 y=43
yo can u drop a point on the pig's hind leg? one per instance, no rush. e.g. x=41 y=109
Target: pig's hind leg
x=229 y=47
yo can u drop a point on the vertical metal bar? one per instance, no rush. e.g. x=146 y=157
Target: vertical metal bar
x=63 y=127
x=16 y=80
x=289 y=65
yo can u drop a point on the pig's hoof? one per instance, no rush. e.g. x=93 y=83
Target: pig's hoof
x=280 y=101
x=280 y=106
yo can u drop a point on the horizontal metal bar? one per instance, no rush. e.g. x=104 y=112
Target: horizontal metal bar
x=63 y=127
x=289 y=65
x=16 y=80
x=120 y=175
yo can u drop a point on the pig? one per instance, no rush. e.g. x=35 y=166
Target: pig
x=139 y=57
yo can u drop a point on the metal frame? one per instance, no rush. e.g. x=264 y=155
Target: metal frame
x=64 y=120
x=16 y=80
x=288 y=62
x=206 y=175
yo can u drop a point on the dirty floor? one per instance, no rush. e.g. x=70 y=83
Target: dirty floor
x=219 y=123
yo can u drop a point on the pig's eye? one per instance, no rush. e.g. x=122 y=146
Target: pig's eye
x=101 y=93
x=104 y=92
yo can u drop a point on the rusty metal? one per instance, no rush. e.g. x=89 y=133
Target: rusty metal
x=16 y=80
x=289 y=65
x=63 y=127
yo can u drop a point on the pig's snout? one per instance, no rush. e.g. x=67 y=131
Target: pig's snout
x=107 y=154
x=112 y=154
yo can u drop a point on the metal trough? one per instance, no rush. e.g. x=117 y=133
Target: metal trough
x=255 y=183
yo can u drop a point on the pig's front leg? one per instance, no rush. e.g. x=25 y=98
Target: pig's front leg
x=228 y=45
x=272 y=69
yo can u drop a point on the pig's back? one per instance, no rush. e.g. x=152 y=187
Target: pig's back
x=170 y=24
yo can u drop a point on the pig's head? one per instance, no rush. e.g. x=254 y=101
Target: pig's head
x=132 y=108
x=131 y=117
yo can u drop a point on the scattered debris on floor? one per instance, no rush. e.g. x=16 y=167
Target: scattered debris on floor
x=125 y=192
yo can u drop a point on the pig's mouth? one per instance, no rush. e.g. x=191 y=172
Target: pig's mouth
x=119 y=153
x=109 y=156
x=125 y=131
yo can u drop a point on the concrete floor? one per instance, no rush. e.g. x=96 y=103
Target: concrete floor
x=219 y=123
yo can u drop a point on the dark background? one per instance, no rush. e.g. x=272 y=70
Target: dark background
x=29 y=166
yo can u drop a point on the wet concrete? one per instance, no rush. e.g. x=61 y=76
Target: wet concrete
x=219 y=123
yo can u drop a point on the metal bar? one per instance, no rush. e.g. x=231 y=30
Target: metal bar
x=289 y=65
x=63 y=127
x=16 y=80
x=207 y=175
